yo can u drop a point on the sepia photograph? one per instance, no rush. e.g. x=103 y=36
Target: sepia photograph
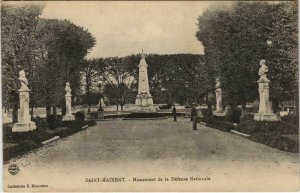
x=150 y=96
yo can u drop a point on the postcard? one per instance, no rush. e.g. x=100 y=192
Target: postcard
x=150 y=96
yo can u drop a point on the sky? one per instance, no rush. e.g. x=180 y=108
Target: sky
x=124 y=28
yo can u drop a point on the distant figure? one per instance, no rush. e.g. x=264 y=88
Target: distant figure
x=193 y=111
x=194 y=117
x=174 y=113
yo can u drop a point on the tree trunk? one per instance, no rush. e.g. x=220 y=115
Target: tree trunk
x=275 y=106
x=117 y=106
x=54 y=110
x=243 y=103
x=15 y=111
x=15 y=105
x=88 y=101
x=48 y=111
x=296 y=102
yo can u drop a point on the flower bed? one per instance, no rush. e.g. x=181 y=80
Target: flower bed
x=21 y=143
x=279 y=135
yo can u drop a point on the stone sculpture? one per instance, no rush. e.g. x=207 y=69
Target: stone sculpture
x=68 y=96
x=264 y=113
x=24 y=123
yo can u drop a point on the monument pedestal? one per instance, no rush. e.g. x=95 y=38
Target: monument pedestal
x=145 y=102
x=24 y=127
x=264 y=113
x=24 y=123
x=265 y=117
x=68 y=116
x=219 y=113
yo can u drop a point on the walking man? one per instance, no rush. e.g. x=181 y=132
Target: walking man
x=174 y=113
x=194 y=116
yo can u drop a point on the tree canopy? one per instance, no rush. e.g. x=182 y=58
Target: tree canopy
x=51 y=52
x=237 y=38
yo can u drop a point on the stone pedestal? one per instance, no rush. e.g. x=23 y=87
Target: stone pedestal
x=265 y=117
x=143 y=100
x=219 y=106
x=68 y=116
x=24 y=123
x=219 y=114
x=264 y=113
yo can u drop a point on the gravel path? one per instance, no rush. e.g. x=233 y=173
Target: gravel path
x=152 y=149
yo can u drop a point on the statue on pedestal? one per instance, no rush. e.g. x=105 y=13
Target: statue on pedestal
x=24 y=123
x=68 y=96
x=264 y=113
x=218 y=96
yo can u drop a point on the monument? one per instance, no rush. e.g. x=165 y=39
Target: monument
x=219 y=106
x=219 y=112
x=144 y=99
x=24 y=123
x=68 y=116
x=264 y=113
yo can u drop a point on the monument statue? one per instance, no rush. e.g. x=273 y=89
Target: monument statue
x=68 y=97
x=24 y=123
x=23 y=80
x=263 y=70
x=68 y=88
x=264 y=113
x=219 y=106
x=144 y=98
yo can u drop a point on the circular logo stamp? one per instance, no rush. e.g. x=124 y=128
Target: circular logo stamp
x=13 y=169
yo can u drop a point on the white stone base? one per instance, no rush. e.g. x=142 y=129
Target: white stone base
x=24 y=127
x=219 y=114
x=139 y=101
x=149 y=109
x=265 y=117
x=68 y=118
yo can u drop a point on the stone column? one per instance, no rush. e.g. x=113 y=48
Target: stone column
x=219 y=106
x=68 y=96
x=264 y=113
x=24 y=123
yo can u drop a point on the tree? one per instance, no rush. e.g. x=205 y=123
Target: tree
x=236 y=39
x=62 y=51
x=92 y=73
x=120 y=78
x=180 y=76
x=18 y=27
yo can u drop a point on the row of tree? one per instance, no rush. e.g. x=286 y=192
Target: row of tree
x=237 y=38
x=50 y=51
x=172 y=78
